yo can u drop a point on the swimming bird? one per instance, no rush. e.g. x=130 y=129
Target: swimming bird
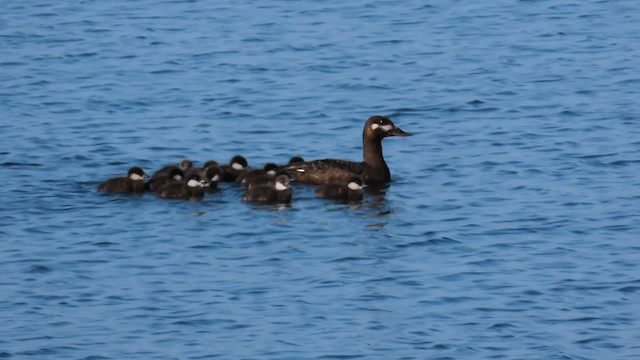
x=157 y=181
x=191 y=188
x=237 y=165
x=132 y=183
x=277 y=192
x=373 y=169
x=184 y=165
x=212 y=175
x=268 y=172
x=349 y=191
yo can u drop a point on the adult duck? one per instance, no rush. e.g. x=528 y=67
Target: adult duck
x=373 y=169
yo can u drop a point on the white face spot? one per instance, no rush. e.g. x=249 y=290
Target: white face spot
x=354 y=186
x=135 y=177
x=387 y=128
x=193 y=183
x=215 y=178
x=374 y=126
x=280 y=186
x=236 y=166
x=177 y=177
x=271 y=172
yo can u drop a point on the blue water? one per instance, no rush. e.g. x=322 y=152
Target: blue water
x=510 y=231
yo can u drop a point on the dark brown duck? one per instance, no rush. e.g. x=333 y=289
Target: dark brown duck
x=348 y=191
x=237 y=165
x=373 y=169
x=192 y=188
x=132 y=183
x=277 y=192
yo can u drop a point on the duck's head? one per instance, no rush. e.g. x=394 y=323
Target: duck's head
x=185 y=165
x=270 y=169
x=194 y=180
x=295 y=160
x=176 y=174
x=378 y=127
x=136 y=173
x=282 y=182
x=213 y=174
x=238 y=163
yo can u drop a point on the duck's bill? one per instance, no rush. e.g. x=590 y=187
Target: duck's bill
x=398 y=132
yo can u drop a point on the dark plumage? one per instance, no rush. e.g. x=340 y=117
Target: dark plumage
x=373 y=169
x=295 y=160
x=210 y=163
x=132 y=183
x=351 y=190
x=173 y=174
x=212 y=176
x=184 y=165
x=237 y=165
x=277 y=192
x=192 y=188
x=267 y=172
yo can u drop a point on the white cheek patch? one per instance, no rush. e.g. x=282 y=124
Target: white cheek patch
x=236 y=166
x=386 y=128
x=280 y=186
x=177 y=177
x=215 y=178
x=271 y=172
x=135 y=177
x=354 y=186
x=193 y=183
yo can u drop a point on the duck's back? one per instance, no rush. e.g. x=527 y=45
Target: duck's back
x=118 y=185
x=325 y=171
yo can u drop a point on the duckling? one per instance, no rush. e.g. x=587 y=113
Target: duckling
x=268 y=171
x=157 y=181
x=132 y=183
x=192 y=188
x=346 y=191
x=237 y=165
x=278 y=192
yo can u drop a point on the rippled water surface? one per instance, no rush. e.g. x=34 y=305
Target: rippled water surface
x=511 y=228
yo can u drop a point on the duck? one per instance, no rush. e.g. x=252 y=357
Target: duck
x=237 y=165
x=132 y=183
x=191 y=188
x=372 y=169
x=349 y=191
x=210 y=163
x=268 y=172
x=157 y=181
x=277 y=192
x=212 y=175
x=184 y=165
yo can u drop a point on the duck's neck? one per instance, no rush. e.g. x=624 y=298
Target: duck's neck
x=372 y=153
